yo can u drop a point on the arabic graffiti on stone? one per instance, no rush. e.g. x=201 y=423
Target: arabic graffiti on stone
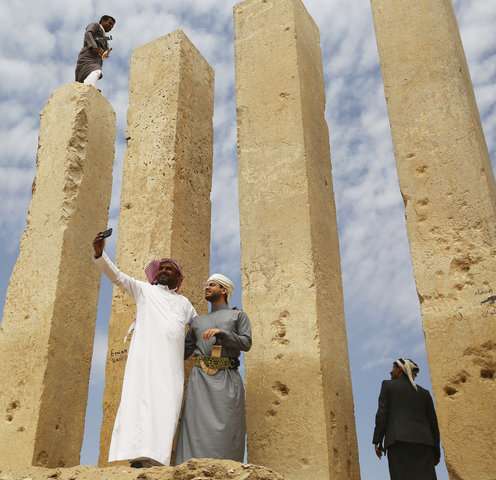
x=483 y=291
x=489 y=303
x=118 y=355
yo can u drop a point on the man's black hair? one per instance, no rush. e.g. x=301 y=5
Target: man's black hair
x=107 y=17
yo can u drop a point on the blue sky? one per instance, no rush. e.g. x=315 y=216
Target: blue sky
x=40 y=41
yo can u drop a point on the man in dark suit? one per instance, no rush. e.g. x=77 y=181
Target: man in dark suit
x=407 y=424
x=95 y=50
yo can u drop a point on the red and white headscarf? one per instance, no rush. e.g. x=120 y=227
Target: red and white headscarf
x=409 y=368
x=151 y=270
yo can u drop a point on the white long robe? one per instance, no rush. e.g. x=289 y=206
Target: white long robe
x=152 y=390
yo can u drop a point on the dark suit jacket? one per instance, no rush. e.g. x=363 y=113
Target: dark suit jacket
x=405 y=415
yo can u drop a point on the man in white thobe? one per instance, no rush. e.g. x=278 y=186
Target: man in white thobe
x=152 y=390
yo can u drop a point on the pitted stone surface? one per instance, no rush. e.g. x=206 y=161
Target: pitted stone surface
x=299 y=400
x=165 y=200
x=46 y=337
x=448 y=189
x=204 y=469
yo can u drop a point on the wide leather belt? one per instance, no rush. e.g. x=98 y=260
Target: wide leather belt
x=211 y=365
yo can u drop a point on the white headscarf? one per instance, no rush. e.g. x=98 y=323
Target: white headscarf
x=223 y=281
x=409 y=367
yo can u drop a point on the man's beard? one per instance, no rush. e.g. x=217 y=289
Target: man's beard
x=170 y=282
x=213 y=297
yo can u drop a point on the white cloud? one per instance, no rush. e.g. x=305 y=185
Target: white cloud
x=19 y=142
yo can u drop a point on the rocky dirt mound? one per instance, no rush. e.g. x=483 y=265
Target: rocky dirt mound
x=203 y=469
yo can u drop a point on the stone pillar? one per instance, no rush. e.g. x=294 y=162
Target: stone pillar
x=165 y=200
x=299 y=398
x=449 y=193
x=46 y=337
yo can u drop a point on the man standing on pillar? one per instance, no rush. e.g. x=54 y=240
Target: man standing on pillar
x=95 y=50
x=152 y=390
x=407 y=422
x=213 y=423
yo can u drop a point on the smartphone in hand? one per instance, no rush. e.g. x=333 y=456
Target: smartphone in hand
x=106 y=233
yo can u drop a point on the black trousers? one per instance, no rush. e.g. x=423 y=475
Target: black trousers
x=411 y=461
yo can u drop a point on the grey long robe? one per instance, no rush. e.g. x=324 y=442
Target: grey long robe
x=88 y=60
x=213 y=423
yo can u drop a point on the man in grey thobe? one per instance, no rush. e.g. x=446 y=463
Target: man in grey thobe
x=95 y=50
x=213 y=423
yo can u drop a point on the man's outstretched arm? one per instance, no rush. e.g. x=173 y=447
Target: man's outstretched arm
x=107 y=267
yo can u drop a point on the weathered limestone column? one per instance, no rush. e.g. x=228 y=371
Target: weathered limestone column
x=299 y=398
x=46 y=337
x=165 y=200
x=449 y=192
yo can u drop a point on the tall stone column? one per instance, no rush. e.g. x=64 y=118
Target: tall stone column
x=299 y=398
x=46 y=337
x=449 y=193
x=165 y=200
